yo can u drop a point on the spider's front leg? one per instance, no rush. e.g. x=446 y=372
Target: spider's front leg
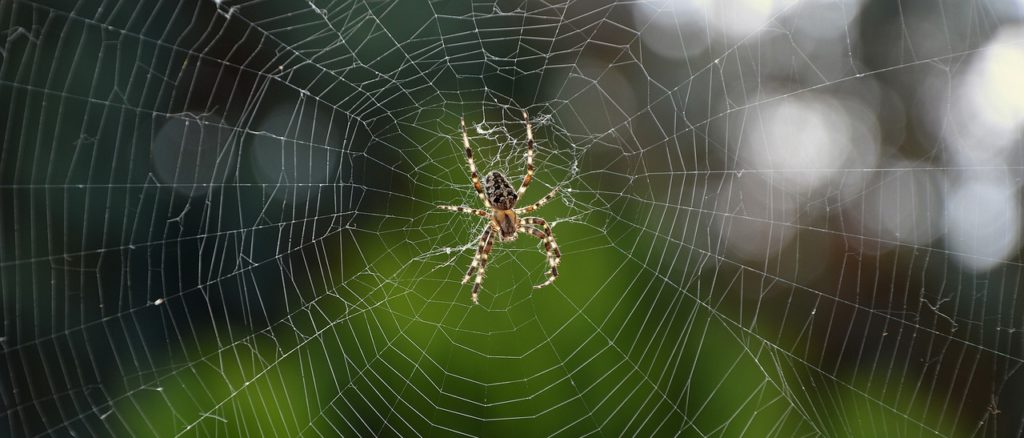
x=529 y=156
x=480 y=261
x=473 y=175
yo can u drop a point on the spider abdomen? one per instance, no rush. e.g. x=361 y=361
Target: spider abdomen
x=499 y=192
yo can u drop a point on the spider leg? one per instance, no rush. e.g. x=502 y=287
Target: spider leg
x=472 y=166
x=479 y=250
x=554 y=255
x=484 y=254
x=529 y=155
x=460 y=209
x=552 y=250
x=538 y=204
x=536 y=232
x=537 y=222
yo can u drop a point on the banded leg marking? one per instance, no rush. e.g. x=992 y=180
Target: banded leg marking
x=485 y=253
x=472 y=165
x=535 y=225
x=479 y=250
x=529 y=155
x=538 y=204
x=460 y=209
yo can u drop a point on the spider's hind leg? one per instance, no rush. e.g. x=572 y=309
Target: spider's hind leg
x=550 y=246
x=480 y=271
x=480 y=262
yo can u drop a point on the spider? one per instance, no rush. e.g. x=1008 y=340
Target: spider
x=503 y=218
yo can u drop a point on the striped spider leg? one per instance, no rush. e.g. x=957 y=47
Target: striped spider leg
x=460 y=209
x=540 y=229
x=533 y=207
x=473 y=175
x=479 y=264
x=529 y=157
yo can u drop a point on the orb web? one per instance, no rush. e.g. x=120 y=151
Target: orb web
x=777 y=218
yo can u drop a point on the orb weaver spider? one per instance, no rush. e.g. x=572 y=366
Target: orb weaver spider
x=503 y=218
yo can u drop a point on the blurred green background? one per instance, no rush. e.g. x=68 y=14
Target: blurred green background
x=219 y=218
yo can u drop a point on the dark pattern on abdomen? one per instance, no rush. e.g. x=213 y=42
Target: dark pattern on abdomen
x=499 y=192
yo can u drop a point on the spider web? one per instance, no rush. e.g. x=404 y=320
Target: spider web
x=777 y=218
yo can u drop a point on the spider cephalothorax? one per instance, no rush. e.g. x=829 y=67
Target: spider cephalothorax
x=504 y=221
